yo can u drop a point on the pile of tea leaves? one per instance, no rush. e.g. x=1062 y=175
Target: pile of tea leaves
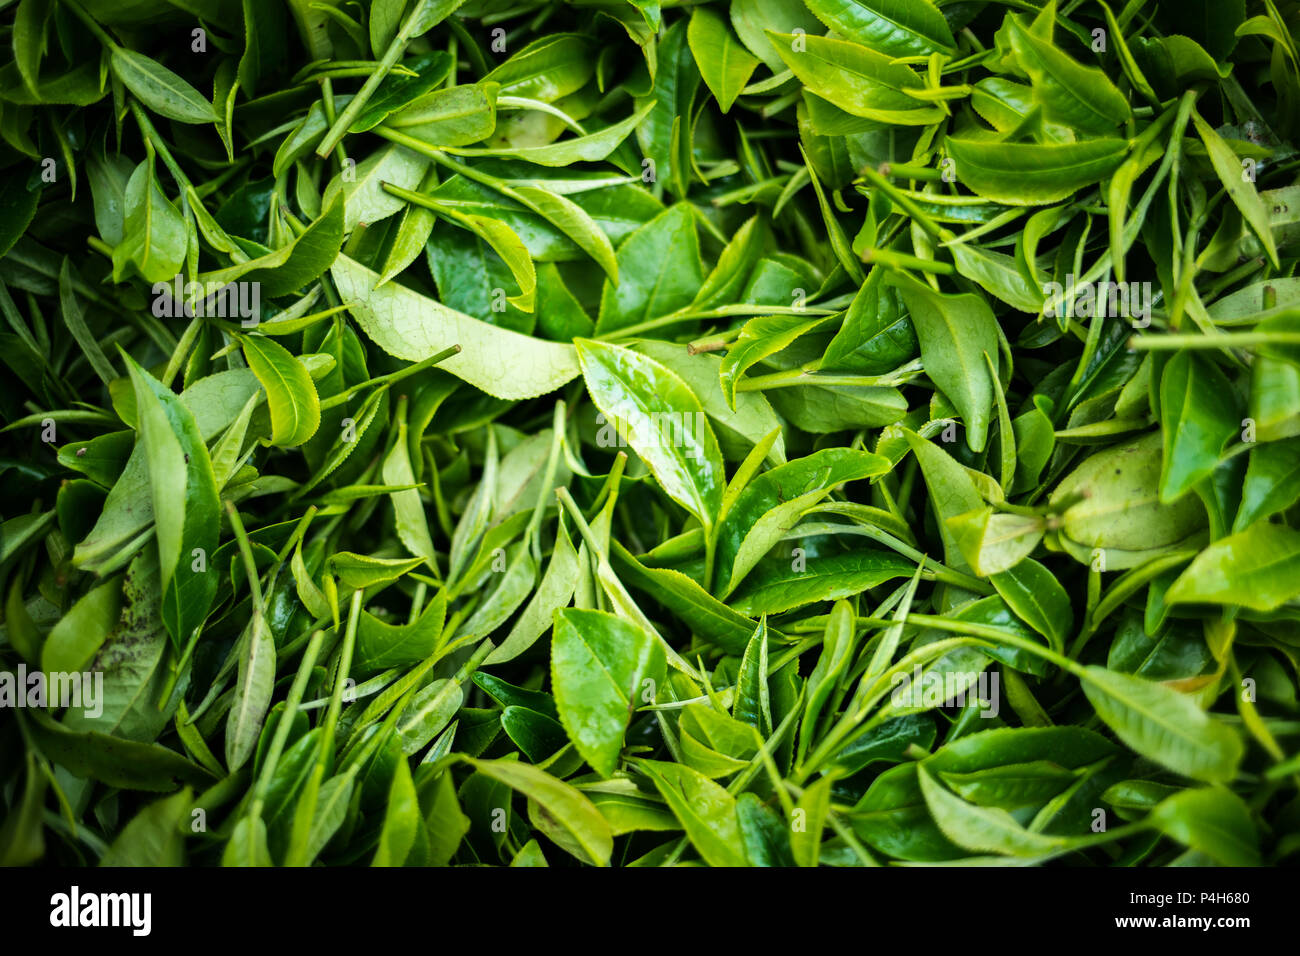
x=766 y=432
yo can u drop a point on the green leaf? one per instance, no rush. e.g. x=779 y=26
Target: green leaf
x=894 y=817
x=512 y=251
x=629 y=809
x=413 y=327
x=811 y=812
x=446 y=823
x=759 y=338
x=1272 y=482
x=76 y=322
x=735 y=265
x=264 y=44
x=247 y=845
x=457 y=116
x=428 y=713
x=1210 y=820
x=1164 y=725
x=753 y=703
x=1255 y=568
x=1038 y=599
x=74 y=640
x=896 y=28
x=1117 y=505
x=408 y=507
x=155 y=836
x=737 y=429
x=254 y=686
x=956 y=332
x=114 y=761
x=536 y=735
x=1200 y=418
x=330 y=810
x=567 y=807
x=708 y=617
x=858 y=80
x=1072 y=94
x=29 y=41
x=779 y=583
x=183 y=491
x=365 y=200
x=382 y=24
x=574 y=222
x=654 y=411
x=132 y=703
x=508 y=695
x=591 y=148
x=555 y=591
x=994 y=543
x=530 y=854
x=295 y=265
x=659 y=272
x=889 y=742
x=877 y=335
x=409 y=243
x=1033 y=174
x=601 y=666
x=159 y=88
x=291 y=394
x=381 y=645
x=401 y=820
x=22 y=835
x=18 y=204
x=706 y=811
x=952 y=492
x=837 y=648
x=154 y=241
x=547 y=69
x=725 y=65
x=510 y=591
x=775 y=501
x=402 y=91
x=1239 y=187
x=983 y=829
x=664 y=132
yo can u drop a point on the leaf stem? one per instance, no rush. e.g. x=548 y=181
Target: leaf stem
x=246 y=552
x=902 y=260
x=91 y=23
x=396 y=48
x=390 y=378
x=1227 y=340
x=285 y=722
